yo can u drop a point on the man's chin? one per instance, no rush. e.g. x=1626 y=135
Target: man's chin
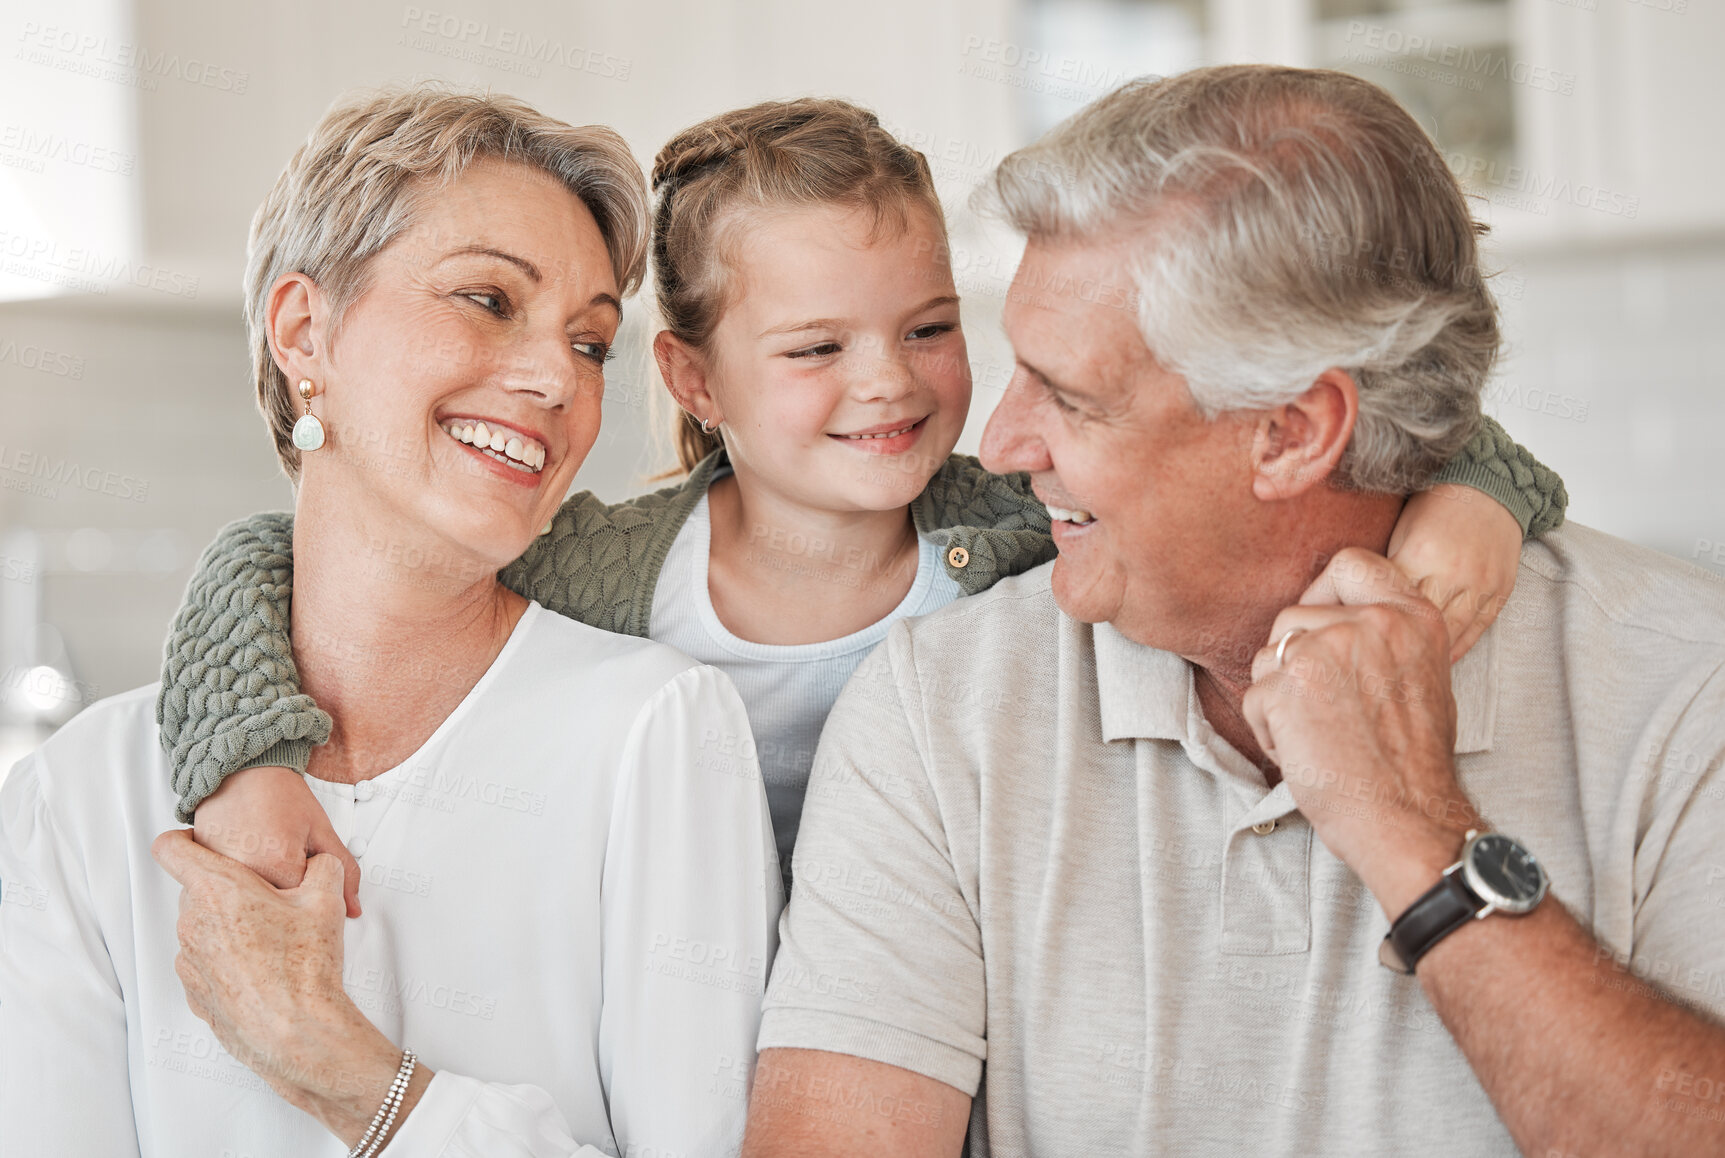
x=1079 y=594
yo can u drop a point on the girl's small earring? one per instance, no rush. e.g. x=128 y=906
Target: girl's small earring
x=308 y=431
x=705 y=428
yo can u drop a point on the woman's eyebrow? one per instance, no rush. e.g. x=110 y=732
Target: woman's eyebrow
x=527 y=267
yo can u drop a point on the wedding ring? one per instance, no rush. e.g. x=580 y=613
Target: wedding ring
x=1283 y=645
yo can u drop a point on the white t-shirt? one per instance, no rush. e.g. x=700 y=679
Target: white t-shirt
x=788 y=689
x=569 y=915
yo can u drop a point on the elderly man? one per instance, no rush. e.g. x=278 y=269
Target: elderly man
x=1103 y=861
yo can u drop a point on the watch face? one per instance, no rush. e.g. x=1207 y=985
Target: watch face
x=1511 y=878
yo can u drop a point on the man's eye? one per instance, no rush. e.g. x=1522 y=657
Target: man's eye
x=599 y=352
x=1062 y=404
x=819 y=350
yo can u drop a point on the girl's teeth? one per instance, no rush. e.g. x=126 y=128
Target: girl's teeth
x=482 y=435
x=888 y=434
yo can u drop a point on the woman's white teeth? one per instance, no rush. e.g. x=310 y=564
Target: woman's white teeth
x=507 y=447
x=1062 y=515
x=888 y=434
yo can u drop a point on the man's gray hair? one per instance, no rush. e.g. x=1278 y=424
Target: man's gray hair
x=361 y=177
x=1281 y=222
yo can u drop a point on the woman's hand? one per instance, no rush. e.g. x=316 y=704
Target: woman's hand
x=269 y=821
x=262 y=966
x=1462 y=549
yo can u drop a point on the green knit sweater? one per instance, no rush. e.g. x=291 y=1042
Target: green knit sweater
x=230 y=695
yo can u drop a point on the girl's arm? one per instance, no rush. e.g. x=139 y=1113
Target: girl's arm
x=1463 y=552
x=231 y=700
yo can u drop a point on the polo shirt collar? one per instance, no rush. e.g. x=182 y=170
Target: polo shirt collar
x=1145 y=693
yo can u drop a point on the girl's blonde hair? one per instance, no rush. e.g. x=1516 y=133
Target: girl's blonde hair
x=778 y=154
x=361 y=176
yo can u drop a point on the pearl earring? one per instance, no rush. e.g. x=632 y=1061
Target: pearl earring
x=308 y=431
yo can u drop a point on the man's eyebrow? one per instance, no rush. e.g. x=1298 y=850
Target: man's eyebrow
x=527 y=267
x=607 y=300
x=1051 y=385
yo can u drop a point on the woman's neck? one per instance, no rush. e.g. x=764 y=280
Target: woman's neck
x=780 y=572
x=386 y=642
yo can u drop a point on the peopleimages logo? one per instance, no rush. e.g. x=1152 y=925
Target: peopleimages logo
x=1463 y=61
x=471 y=40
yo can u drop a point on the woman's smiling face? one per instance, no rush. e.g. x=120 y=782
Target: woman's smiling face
x=487 y=322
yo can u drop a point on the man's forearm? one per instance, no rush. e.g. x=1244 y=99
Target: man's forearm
x=1578 y=1056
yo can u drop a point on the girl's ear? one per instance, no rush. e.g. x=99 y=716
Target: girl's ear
x=684 y=369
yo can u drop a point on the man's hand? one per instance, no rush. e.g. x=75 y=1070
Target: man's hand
x=269 y=821
x=1464 y=551
x=1360 y=719
x=262 y=966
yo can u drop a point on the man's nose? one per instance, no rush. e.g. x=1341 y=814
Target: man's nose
x=1010 y=441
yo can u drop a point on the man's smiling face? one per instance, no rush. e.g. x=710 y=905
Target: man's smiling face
x=1106 y=432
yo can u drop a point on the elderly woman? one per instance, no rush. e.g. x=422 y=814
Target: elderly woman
x=577 y=912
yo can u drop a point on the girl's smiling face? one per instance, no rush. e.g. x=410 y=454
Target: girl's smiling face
x=839 y=369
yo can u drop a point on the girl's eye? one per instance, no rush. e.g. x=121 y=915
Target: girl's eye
x=819 y=350
x=933 y=330
x=598 y=352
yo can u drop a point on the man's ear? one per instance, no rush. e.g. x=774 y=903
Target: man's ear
x=684 y=369
x=1298 y=446
x=294 y=319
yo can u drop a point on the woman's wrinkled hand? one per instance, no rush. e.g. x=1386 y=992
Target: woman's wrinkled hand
x=262 y=967
x=269 y=821
x=1462 y=549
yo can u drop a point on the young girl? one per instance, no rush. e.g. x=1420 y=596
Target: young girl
x=812 y=341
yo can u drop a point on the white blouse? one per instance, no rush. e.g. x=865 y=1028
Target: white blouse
x=570 y=898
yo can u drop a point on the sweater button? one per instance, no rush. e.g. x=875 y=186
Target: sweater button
x=958 y=557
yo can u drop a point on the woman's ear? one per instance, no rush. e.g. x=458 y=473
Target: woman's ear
x=1299 y=445
x=684 y=369
x=293 y=319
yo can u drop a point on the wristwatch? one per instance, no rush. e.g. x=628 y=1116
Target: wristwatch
x=1494 y=875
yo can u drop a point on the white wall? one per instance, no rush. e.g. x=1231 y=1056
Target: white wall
x=1624 y=321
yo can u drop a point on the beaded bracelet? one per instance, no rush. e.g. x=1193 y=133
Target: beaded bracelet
x=372 y=1141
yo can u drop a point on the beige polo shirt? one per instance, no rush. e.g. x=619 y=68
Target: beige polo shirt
x=1030 y=869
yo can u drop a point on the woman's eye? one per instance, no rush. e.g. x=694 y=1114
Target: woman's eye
x=599 y=352
x=1062 y=404
x=819 y=350
x=933 y=330
x=495 y=302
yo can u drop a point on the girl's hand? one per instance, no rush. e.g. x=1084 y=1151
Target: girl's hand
x=269 y=821
x=1463 y=550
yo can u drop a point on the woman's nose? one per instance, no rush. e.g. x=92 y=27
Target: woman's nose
x=543 y=369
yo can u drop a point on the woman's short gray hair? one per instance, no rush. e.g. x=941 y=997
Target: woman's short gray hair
x=1282 y=222
x=359 y=179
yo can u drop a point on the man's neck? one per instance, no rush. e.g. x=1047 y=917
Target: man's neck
x=1294 y=550
x=389 y=633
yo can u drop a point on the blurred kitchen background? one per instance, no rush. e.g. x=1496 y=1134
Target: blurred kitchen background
x=137 y=137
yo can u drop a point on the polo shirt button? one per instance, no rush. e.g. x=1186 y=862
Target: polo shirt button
x=1264 y=829
x=357 y=846
x=364 y=790
x=958 y=557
